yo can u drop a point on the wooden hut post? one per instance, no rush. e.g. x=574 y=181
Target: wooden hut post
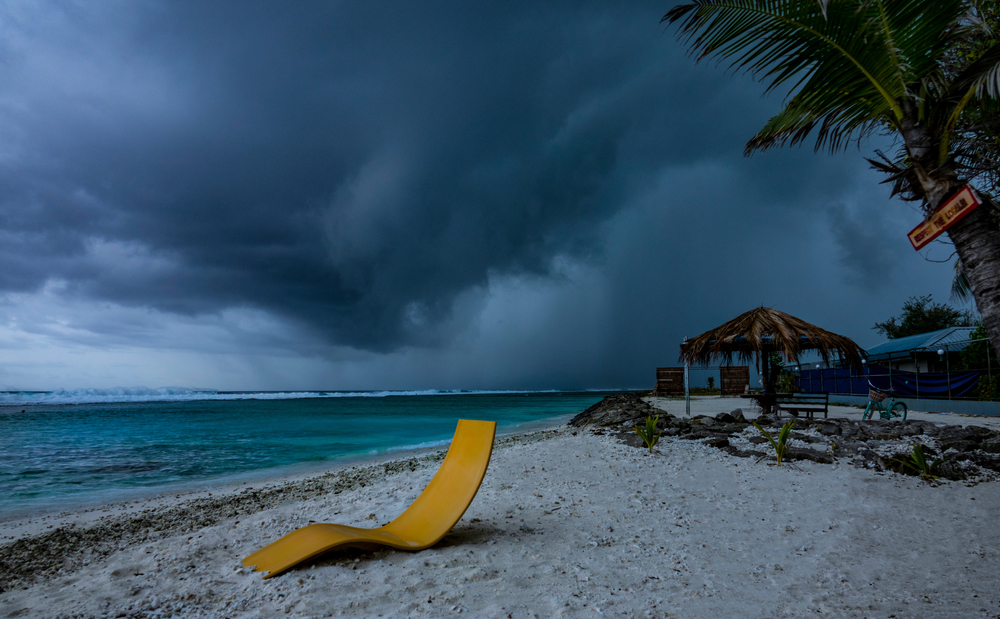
x=765 y=404
x=687 y=386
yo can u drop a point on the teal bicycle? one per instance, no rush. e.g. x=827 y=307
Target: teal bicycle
x=893 y=409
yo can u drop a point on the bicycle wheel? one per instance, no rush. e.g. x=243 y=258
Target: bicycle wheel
x=865 y=416
x=899 y=410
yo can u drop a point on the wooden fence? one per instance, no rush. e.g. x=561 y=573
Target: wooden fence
x=669 y=382
x=733 y=380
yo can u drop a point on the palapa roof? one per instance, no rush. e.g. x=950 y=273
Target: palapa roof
x=767 y=330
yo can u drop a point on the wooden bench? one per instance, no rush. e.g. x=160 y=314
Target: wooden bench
x=808 y=403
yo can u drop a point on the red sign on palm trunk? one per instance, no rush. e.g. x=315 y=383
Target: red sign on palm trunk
x=945 y=217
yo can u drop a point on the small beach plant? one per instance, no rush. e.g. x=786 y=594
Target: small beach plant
x=649 y=435
x=781 y=445
x=918 y=462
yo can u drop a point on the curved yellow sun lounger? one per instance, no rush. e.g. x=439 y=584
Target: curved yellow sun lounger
x=438 y=508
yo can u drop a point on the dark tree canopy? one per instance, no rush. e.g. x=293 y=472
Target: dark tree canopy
x=979 y=354
x=923 y=315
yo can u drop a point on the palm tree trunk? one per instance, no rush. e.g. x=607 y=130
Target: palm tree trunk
x=976 y=236
x=977 y=240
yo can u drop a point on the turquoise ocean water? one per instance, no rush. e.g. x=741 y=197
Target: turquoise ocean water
x=67 y=449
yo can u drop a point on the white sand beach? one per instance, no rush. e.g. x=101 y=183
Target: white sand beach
x=566 y=524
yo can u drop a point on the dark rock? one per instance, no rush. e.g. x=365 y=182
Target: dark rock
x=631 y=439
x=909 y=429
x=950 y=469
x=730 y=428
x=971 y=451
x=921 y=427
x=866 y=454
x=851 y=430
x=829 y=429
x=664 y=421
x=983 y=433
x=795 y=453
x=706 y=433
x=975 y=434
x=846 y=449
x=805 y=438
x=615 y=410
x=960 y=446
x=991 y=445
x=986 y=461
x=739 y=453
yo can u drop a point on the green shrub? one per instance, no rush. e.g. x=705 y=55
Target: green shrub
x=989 y=388
x=649 y=435
x=780 y=446
x=918 y=462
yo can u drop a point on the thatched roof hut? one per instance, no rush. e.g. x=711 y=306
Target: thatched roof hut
x=762 y=331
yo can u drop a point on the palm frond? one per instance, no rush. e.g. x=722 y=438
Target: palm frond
x=961 y=287
x=980 y=79
x=854 y=63
x=902 y=176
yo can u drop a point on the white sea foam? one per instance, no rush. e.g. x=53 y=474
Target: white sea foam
x=424 y=445
x=184 y=394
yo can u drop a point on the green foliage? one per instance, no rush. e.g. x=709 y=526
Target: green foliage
x=922 y=315
x=775 y=373
x=979 y=355
x=977 y=132
x=918 y=462
x=649 y=435
x=855 y=67
x=703 y=391
x=780 y=446
x=989 y=388
x=786 y=382
x=711 y=382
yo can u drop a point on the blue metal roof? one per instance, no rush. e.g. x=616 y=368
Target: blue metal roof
x=955 y=337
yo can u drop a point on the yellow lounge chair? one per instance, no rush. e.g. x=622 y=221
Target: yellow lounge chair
x=422 y=525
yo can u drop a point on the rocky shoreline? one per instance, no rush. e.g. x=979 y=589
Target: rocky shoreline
x=970 y=454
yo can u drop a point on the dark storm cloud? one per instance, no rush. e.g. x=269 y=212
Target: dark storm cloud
x=353 y=167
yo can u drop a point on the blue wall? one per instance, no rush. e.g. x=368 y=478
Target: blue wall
x=962 y=384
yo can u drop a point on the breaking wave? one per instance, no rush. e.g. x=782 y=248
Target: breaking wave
x=183 y=394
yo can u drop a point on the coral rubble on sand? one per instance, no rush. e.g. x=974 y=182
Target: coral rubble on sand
x=970 y=453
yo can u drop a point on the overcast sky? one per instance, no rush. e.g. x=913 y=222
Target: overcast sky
x=389 y=195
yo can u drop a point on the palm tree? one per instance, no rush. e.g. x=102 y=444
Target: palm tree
x=857 y=68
